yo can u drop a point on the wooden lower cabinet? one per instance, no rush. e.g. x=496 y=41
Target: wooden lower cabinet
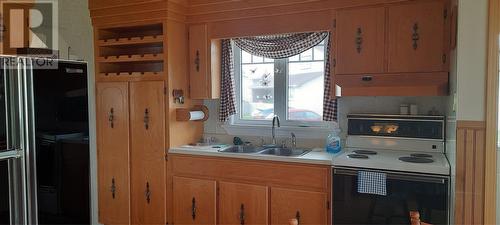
x=243 y=204
x=148 y=165
x=306 y=206
x=113 y=152
x=241 y=191
x=194 y=201
x=131 y=153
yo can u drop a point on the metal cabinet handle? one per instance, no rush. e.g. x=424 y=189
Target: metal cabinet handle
x=297 y=216
x=111 y=117
x=113 y=188
x=415 y=36
x=193 y=208
x=146 y=119
x=197 y=61
x=367 y=78
x=359 y=39
x=148 y=193
x=242 y=214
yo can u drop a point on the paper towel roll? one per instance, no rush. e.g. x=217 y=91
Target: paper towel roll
x=196 y=115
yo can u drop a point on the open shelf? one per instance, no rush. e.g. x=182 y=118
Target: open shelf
x=131 y=41
x=131 y=52
x=131 y=58
x=132 y=74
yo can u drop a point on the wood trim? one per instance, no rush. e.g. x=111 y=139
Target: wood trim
x=491 y=114
x=470 y=172
x=220 y=11
x=477 y=125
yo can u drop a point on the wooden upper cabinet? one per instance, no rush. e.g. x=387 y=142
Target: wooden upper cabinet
x=360 y=36
x=416 y=37
x=147 y=117
x=194 y=201
x=243 y=204
x=307 y=207
x=204 y=64
x=113 y=152
x=16 y=33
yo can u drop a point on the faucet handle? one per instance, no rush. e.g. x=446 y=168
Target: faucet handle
x=283 y=143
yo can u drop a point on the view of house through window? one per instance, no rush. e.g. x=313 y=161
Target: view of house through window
x=291 y=88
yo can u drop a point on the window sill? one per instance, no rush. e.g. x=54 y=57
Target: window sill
x=284 y=131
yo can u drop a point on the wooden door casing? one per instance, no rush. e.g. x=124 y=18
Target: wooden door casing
x=416 y=37
x=243 y=204
x=195 y=201
x=309 y=208
x=148 y=165
x=360 y=41
x=113 y=152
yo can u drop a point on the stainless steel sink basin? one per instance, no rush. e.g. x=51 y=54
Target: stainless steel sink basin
x=242 y=149
x=284 y=152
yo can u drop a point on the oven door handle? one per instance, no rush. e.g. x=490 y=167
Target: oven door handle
x=395 y=176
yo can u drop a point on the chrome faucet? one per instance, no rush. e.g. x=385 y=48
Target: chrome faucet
x=294 y=141
x=276 y=121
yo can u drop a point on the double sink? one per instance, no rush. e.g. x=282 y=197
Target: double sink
x=275 y=151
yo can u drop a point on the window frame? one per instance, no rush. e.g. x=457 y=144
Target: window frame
x=281 y=94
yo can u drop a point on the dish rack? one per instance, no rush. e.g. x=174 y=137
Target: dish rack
x=130 y=52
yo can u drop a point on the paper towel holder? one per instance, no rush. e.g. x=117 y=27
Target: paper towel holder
x=185 y=114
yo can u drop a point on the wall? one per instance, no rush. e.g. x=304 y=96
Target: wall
x=468 y=159
x=75 y=31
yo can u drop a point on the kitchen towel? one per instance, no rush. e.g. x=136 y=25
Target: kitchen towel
x=374 y=183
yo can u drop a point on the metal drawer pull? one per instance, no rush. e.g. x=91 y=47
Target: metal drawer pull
x=367 y=78
x=148 y=193
x=113 y=188
x=197 y=61
x=297 y=216
x=415 y=36
x=193 y=208
x=111 y=117
x=359 y=40
x=242 y=214
x=146 y=119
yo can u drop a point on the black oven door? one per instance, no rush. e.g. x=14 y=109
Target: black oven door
x=405 y=192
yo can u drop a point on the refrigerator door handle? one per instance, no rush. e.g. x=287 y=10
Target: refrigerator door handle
x=11 y=154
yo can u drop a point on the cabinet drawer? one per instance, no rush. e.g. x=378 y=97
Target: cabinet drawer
x=266 y=173
x=412 y=84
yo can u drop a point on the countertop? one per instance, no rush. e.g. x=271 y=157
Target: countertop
x=316 y=156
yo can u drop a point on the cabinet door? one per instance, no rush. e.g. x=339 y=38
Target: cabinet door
x=307 y=207
x=194 y=201
x=243 y=204
x=416 y=37
x=360 y=44
x=148 y=169
x=17 y=31
x=198 y=62
x=113 y=152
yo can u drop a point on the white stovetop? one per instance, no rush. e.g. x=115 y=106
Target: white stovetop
x=316 y=156
x=389 y=160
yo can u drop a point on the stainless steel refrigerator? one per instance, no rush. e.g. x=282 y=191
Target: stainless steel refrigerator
x=44 y=150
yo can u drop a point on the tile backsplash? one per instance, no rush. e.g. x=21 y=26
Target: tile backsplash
x=347 y=105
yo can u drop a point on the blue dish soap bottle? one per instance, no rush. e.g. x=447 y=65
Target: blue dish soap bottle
x=333 y=141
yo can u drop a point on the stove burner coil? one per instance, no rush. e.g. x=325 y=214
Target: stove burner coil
x=416 y=160
x=357 y=156
x=365 y=152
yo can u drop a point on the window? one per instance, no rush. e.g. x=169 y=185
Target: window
x=291 y=88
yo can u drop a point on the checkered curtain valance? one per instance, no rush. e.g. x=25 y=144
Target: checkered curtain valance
x=280 y=46
x=274 y=47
